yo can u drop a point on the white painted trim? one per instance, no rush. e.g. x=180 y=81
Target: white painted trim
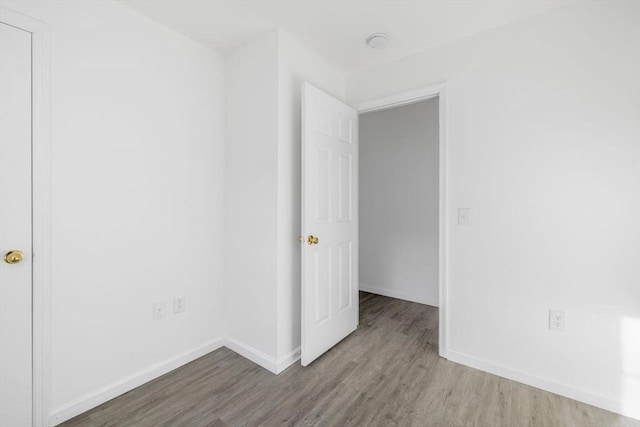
x=288 y=359
x=399 y=99
x=126 y=384
x=443 y=235
x=260 y=358
x=41 y=210
x=410 y=97
x=396 y=294
x=629 y=409
x=253 y=354
x=98 y=397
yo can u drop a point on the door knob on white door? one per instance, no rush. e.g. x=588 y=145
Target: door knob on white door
x=312 y=240
x=13 y=257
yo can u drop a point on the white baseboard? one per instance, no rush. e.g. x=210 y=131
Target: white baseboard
x=89 y=401
x=111 y=391
x=260 y=358
x=288 y=359
x=397 y=294
x=628 y=409
x=124 y=385
x=255 y=355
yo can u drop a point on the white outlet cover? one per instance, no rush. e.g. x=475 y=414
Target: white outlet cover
x=464 y=216
x=557 y=320
x=179 y=304
x=159 y=310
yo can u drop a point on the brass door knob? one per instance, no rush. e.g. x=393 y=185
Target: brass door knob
x=13 y=257
x=312 y=240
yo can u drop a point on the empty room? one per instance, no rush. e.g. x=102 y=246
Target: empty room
x=314 y=213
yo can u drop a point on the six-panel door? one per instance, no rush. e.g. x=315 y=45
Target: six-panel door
x=329 y=213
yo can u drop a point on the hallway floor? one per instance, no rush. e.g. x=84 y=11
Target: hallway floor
x=387 y=373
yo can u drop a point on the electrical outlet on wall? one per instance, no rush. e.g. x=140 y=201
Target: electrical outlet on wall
x=179 y=304
x=557 y=320
x=159 y=310
x=464 y=216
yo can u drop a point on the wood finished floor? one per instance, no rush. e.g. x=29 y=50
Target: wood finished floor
x=387 y=373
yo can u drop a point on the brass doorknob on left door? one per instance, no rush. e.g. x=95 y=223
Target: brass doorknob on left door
x=312 y=240
x=13 y=257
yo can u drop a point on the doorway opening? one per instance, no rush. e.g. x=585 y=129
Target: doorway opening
x=402 y=215
x=330 y=215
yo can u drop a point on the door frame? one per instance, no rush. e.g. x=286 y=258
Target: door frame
x=411 y=97
x=40 y=208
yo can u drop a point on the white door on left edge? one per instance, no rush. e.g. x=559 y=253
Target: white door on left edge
x=15 y=227
x=329 y=222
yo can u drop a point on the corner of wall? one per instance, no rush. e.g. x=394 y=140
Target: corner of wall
x=296 y=64
x=117 y=388
x=251 y=167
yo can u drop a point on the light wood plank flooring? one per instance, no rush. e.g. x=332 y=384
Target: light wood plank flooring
x=387 y=373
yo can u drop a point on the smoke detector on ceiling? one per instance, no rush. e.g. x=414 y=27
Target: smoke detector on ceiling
x=377 y=40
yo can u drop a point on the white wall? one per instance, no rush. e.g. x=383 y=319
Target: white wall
x=399 y=202
x=137 y=198
x=297 y=64
x=544 y=131
x=263 y=212
x=251 y=246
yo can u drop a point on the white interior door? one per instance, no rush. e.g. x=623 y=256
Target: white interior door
x=15 y=227
x=329 y=222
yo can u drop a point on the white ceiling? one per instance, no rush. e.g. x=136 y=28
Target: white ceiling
x=337 y=30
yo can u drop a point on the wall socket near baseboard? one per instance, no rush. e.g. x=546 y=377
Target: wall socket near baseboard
x=464 y=216
x=159 y=309
x=179 y=304
x=557 y=320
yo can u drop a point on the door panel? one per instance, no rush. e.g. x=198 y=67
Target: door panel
x=345 y=260
x=15 y=227
x=329 y=212
x=323 y=204
x=322 y=294
x=345 y=198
